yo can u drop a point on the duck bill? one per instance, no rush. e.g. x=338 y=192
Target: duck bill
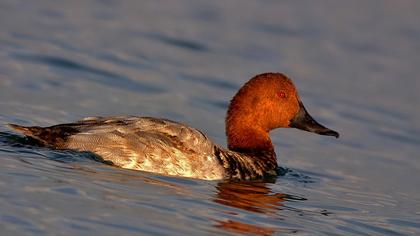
x=304 y=121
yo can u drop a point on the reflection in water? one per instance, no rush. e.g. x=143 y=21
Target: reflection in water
x=250 y=196
x=239 y=227
x=254 y=197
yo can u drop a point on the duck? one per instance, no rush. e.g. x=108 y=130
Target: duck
x=266 y=102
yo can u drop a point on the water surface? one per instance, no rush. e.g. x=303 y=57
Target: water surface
x=355 y=65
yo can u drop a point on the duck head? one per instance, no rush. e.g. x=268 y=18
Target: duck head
x=266 y=102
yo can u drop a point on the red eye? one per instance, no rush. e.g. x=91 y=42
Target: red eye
x=281 y=94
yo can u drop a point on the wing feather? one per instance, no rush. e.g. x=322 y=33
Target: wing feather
x=148 y=144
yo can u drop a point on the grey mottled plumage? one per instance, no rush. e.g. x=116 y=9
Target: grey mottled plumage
x=154 y=145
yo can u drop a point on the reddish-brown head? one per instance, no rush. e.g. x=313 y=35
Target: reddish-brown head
x=266 y=102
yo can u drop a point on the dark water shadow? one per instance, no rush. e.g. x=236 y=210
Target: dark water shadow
x=182 y=43
x=294 y=175
x=139 y=63
x=97 y=75
x=306 y=176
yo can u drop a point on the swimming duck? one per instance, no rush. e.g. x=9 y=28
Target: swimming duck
x=266 y=102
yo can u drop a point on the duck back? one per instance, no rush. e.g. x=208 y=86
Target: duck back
x=139 y=143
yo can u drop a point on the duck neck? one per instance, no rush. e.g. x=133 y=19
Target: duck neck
x=246 y=130
x=248 y=139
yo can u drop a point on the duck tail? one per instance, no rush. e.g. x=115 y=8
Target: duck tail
x=53 y=136
x=38 y=134
x=33 y=131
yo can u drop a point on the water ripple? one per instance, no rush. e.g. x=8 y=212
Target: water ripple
x=209 y=81
x=101 y=76
x=177 y=42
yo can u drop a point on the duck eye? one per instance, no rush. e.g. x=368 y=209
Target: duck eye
x=281 y=94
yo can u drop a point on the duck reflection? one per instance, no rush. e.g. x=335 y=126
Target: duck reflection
x=243 y=228
x=255 y=197
x=250 y=196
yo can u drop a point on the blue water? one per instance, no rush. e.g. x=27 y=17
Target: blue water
x=355 y=65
